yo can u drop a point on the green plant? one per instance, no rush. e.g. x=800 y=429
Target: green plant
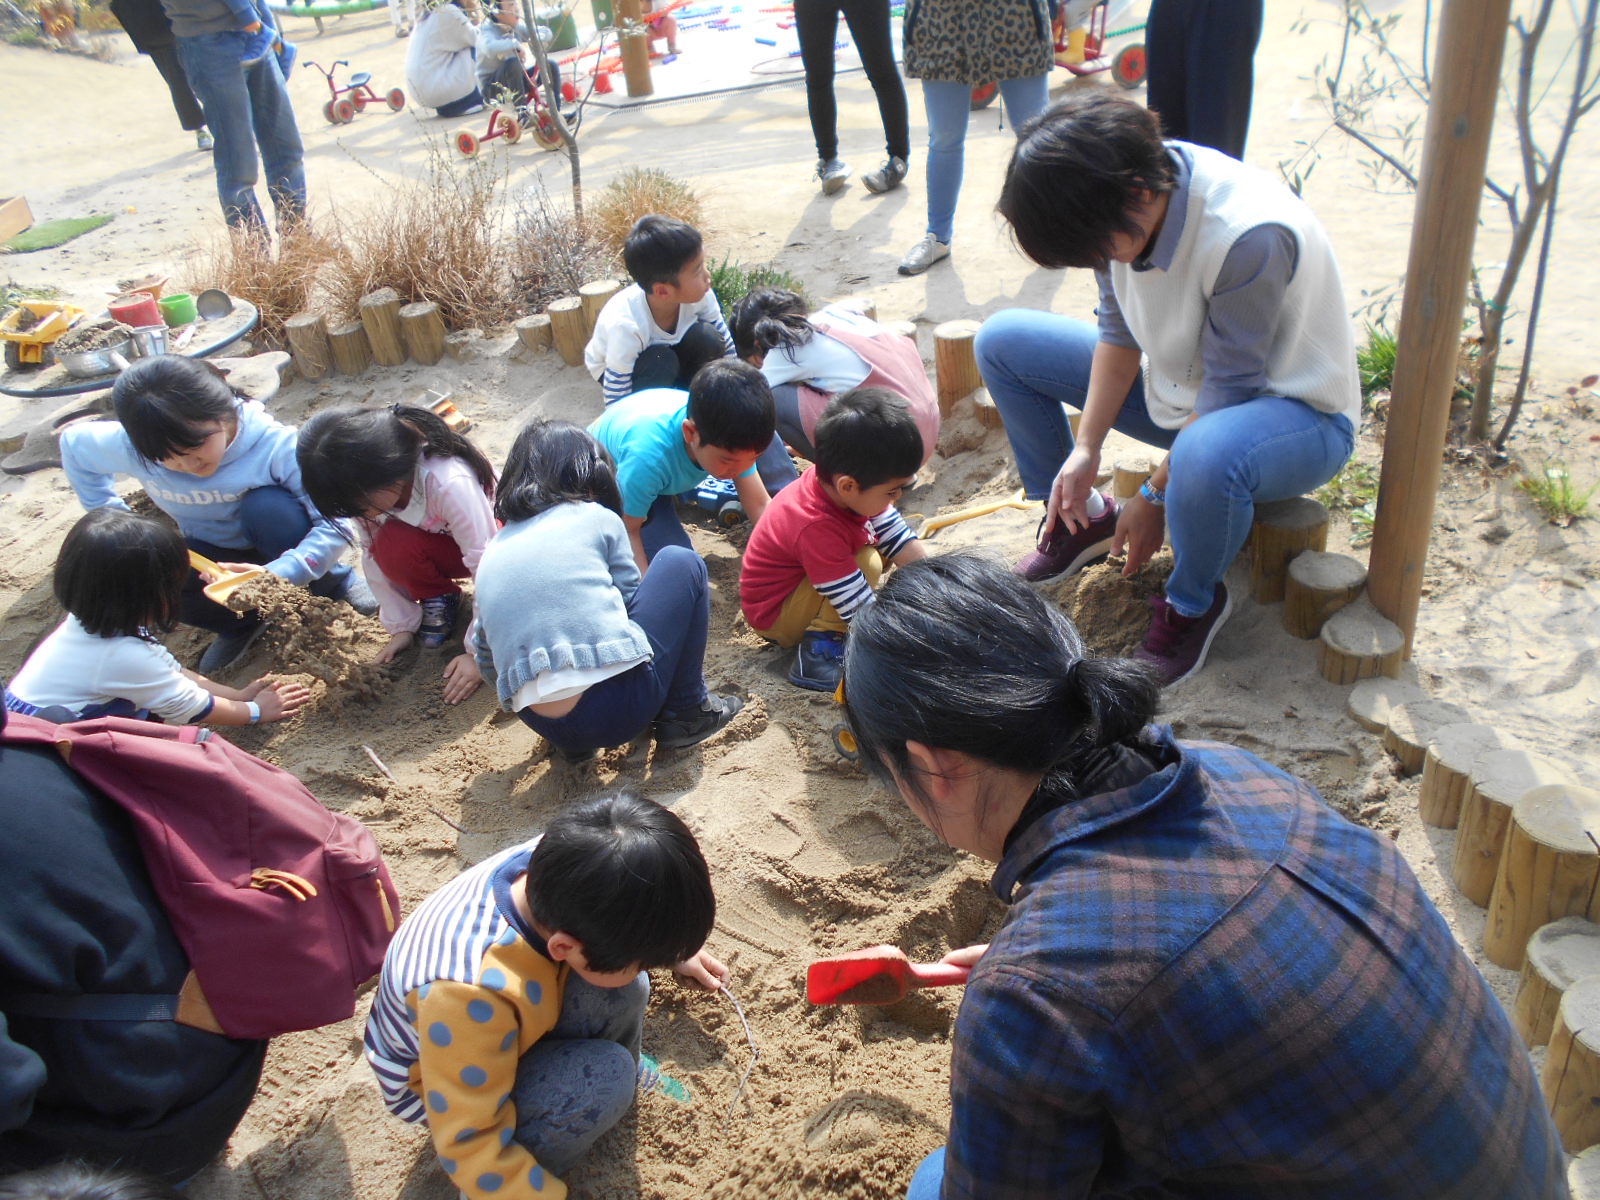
x=1555 y=495
x=1361 y=523
x=1355 y=486
x=731 y=281
x=1375 y=362
x=637 y=192
x=13 y=293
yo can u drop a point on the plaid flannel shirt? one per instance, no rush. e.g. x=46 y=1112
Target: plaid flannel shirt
x=1211 y=985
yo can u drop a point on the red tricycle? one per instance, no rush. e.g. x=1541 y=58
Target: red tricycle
x=1080 y=38
x=345 y=102
x=508 y=118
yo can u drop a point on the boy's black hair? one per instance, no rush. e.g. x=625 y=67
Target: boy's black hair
x=658 y=248
x=731 y=406
x=85 y=1181
x=766 y=318
x=626 y=878
x=1075 y=176
x=348 y=453
x=869 y=434
x=121 y=574
x=551 y=463
x=166 y=402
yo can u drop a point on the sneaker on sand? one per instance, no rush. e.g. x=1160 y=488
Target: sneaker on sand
x=438 y=620
x=832 y=172
x=819 y=662
x=1176 y=645
x=1061 y=553
x=203 y=140
x=923 y=255
x=229 y=648
x=358 y=595
x=887 y=177
x=678 y=731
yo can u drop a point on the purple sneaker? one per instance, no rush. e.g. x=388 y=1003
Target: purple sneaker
x=1061 y=553
x=1176 y=645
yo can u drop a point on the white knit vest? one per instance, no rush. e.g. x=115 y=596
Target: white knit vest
x=1312 y=357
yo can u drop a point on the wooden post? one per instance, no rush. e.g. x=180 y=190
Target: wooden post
x=380 y=313
x=988 y=413
x=1412 y=726
x=308 y=345
x=1283 y=528
x=1447 y=769
x=636 y=61
x=1461 y=108
x=352 y=353
x=462 y=344
x=423 y=329
x=1548 y=870
x=954 y=363
x=1372 y=700
x=1127 y=474
x=1317 y=586
x=1559 y=954
x=534 y=332
x=1571 y=1076
x=567 y=327
x=1499 y=779
x=594 y=296
x=1357 y=644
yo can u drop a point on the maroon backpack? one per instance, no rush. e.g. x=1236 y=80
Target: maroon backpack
x=283 y=908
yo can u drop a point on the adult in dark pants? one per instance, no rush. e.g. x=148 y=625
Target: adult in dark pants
x=1202 y=70
x=151 y=33
x=816 y=21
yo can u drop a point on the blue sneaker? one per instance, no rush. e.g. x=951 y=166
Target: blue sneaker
x=438 y=620
x=819 y=664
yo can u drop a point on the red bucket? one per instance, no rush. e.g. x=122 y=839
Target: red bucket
x=136 y=309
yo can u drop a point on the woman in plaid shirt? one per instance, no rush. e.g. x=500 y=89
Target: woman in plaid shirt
x=1208 y=983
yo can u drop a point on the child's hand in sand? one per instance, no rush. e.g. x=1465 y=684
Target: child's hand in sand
x=394 y=647
x=701 y=971
x=967 y=956
x=461 y=678
x=278 y=698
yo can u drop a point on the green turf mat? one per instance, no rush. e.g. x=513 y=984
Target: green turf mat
x=53 y=233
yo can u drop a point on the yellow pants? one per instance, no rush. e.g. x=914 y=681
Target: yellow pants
x=807 y=610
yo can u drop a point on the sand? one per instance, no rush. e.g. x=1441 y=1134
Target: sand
x=808 y=858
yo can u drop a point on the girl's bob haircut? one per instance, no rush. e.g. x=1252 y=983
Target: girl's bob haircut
x=121 y=574
x=551 y=463
x=169 y=404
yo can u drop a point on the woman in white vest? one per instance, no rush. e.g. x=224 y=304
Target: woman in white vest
x=1221 y=336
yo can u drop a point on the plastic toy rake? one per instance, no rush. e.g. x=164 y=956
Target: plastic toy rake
x=878 y=975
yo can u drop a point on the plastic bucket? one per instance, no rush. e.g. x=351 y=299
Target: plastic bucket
x=177 y=309
x=564 y=33
x=136 y=309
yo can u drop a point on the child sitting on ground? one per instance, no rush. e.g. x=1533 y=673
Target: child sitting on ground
x=120 y=577
x=422 y=498
x=524 y=981
x=819 y=550
x=665 y=441
x=225 y=471
x=809 y=360
x=586 y=652
x=664 y=326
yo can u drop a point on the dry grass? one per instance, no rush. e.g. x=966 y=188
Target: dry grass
x=278 y=282
x=633 y=194
x=552 y=255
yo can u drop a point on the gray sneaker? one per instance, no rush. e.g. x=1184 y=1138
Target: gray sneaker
x=923 y=255
x=358 y=595
x=832 y=172
x=887 y=177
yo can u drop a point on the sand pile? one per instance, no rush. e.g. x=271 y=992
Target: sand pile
x=312 y=635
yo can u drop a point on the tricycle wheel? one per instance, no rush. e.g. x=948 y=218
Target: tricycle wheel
x=1129 y=66
x=396 y=99
x=467 y=143
x=983 y=95
x=345 y=111
x=545 y=132
x=359 y=99
x=329 y=113
x=845 y=742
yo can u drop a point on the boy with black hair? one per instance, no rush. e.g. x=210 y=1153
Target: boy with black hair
x=817 y=554
x=666 y=325
x=665 y=441
x=511 y=1006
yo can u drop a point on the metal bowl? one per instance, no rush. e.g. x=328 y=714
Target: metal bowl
x=213 y=304
x=86 y=364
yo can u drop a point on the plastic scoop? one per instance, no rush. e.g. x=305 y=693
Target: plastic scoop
x=223 y=583
x=878 y=975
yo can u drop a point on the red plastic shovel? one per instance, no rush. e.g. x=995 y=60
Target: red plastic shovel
x=878 y=975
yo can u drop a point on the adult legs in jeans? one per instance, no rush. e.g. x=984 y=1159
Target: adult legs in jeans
x=948 y=106
x=1202 y=70
x=580 y=1078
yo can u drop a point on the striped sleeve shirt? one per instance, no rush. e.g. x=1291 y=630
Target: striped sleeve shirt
x=625 y=328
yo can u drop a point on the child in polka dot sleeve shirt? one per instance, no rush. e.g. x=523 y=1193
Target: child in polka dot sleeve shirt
x=511 y=1005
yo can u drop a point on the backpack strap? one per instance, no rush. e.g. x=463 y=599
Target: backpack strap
x=108 y=1006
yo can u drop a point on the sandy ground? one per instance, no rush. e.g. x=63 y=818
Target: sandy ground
x=808 y=859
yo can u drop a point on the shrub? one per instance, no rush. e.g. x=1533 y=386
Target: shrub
x=635 y=193
x=551 y=254
x=731 y=281
x=279 y=282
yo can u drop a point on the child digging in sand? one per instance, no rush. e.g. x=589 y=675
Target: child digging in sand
x=120 y=577
x=510 y=1011
x=820 y=548
x=422 y=498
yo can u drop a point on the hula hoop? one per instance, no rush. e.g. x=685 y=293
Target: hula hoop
x=324 y=9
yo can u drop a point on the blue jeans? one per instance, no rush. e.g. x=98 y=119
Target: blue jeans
x=578 y=1080
x=273 y=521
x=928 y=1179
x=948 y=106
x=1268 y=448
x=673 y=607
x=247 y=109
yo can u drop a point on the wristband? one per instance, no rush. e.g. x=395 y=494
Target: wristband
x=1153 y=494
x=255 y=711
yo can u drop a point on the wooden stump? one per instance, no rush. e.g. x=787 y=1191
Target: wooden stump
x=1447 y=768
x=380 y=313
x=307 y=334
x=1412 y=726
x=1498 y=780
x=1548 y=870
x=1372 y=700
x=423 y=330
x=1583 y=1175
x=1559 y=954
x=594 y=296
x=1283 y=528
x=534 y=332
x=568 y=329
x=903 y=328
x=352 y=353
x=861 y=304
x=1127 y=474
x=1359 y=643
x=954 y=363
x=1571 y=1076
x=462 y=344
x=1319 y=585
x=988 y=414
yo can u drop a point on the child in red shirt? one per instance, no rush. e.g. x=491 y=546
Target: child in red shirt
x=820 y=547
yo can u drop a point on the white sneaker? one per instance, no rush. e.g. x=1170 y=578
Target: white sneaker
x=923 y=255
x=832 y=172
x=203 y=140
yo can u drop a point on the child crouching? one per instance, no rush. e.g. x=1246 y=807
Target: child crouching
x=819 y=549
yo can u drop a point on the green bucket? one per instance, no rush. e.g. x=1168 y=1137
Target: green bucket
x=565 y=33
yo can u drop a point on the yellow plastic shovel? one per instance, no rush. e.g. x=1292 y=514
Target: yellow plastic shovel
x=223 y=583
